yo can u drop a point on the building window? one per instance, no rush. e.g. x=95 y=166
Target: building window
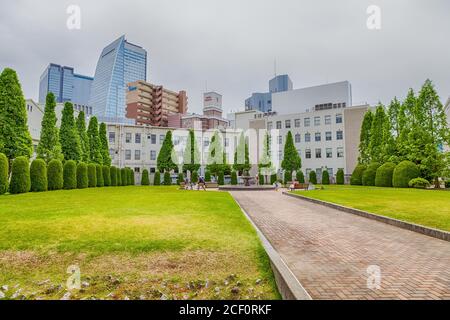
x=280 y=139
x=308 y=171
x=318 y=153
x=319 y=173
x=299 y=152
x=340 y=152
x=161 y=138
x=297 y=138
x=329 y=153
x=127 y=154
x=280 y=155
x=339 y=118
x=317 y=121
x=152 y=170
x=137 y=138
x=318 y=137
x=308 y=153
x=269 y=125
x=278 y=124
x=307 y=122
x=297 y=123
x=328 y=119
x=128 y=137
x=112 y=153
x=152 y=137
x=307 y=137
x=137 y=154
x=112 y=137
x=206 y=143
x=137 y=169
x=152 y=155
x=226 y=142
x=339 y=135
x=328 y=136
x=288 y=124
x=330 y=172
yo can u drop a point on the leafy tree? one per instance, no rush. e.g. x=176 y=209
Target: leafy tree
x=99 y=173
x=167 y=179
x=291 y=160
x=83 y=137
x=15 y=140
x=207 y=176
x=300 y=176
x=49 y=147
x=265 y=163
x=191 y=156
x=82 y=176
x=125 y=180
x=313 y=177
x=180 y=178
x=325 y=177
x=95 y=153
x=406 y=121
x=157 y=178
x=132 y=181
x=55 y=175
x=4 y=173
x=38 y=175
x=241 y=156
x=20 y=176
x=215 y=163
x=68 y=135
x=376 y=144
x=273 y=178
x=287 y=177
x=165 y=160
x=119 y=177
x=340 y=179
x=70 y=175
x=106 y=176
x=145 y=181
x=364 y=139
x=104 y=145
x=220 y=179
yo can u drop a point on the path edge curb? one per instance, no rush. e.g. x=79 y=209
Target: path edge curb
x=435 y=233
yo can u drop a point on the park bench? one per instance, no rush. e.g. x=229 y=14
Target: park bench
x=299 y=186
x=210 y=185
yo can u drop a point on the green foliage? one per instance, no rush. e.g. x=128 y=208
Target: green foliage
x=92 y=175
x=131 y=177
x=164 y=160
x=70 y=175
x=4 y=172
x=207 y=176
x=99 y=173
x=15 y=140
x=368 y=177
x=106 y=176
x=157 y=178
x=95 y=148
x=104 y=144
x=145 y=181
x=287 y=177
x=340 y=178
x=191 y=155
x=261 y=179
x=20 y=176
x=167 y=179
x=406 y=122
x=55 y=175
x=325 y=177
x=291 y=160
x=364 y=139
x=419 y=183
x=216 y=159
x=124 y=174
x=180 y=178
x=220 y=179
x=241 y=156
x=312 y=177
x=376 y=144
x=234 y=181
x=404 y=172
x=83 y=137
x=265 y=162
x=194 y=177
x=113 y=175
x=82 y=176
x=68 y=135
x=119 y=177
x=299 y=176
x=273 y=178
x=384 y=175
x=49 y=147
x=356 y=178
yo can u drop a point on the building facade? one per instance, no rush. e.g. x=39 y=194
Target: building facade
x=120 y=63
x=212 y=115
x=263 y=101
x=151 y=105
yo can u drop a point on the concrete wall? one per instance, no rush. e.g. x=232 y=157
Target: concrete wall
x=352 y=130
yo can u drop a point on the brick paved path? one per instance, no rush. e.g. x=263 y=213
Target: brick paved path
x=329 y=251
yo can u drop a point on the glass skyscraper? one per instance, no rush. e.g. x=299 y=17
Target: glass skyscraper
x=263 y=101
x=120 y=63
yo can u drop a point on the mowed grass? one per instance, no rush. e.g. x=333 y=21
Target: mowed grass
x=429 y=208
x=131 y=242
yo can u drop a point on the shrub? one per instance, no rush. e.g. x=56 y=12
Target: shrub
x=234 y=181
x=82 y=176
x=131 y=175
x=106 y=176
x=221 y=179
x=404 y=172
x=55 y=175
x=384 y=174
x=356 y=178
x=207 y=176
x=157 y=178
x=119 y=176
x=180 y=178
x=124 y=174
x=313 y=177
x=261 y=179
x=340 y=179
x=20 y=176
x=300 y=177
x=287 y=177
x=145 y=181
x=273 y=178
x=38 y=175
x=113 y=176
x=419 y=183
x=4 y=172
x=167 y=179
x=447 y=184
x=326 y=177
x=70 y=175
x=194 y=177
x=92 y=175
x=368 y=177
x=99 y=173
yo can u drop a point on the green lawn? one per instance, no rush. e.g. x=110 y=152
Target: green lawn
x=135 y=242
x=425 y=207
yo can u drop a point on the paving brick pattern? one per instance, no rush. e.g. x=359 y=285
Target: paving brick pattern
x=329 y=251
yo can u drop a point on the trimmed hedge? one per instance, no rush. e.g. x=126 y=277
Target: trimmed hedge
x=404 y=172
x=356 y=178
x=194 y=177
x=273 y=178
x=106 y=176
x=207 y=176
x=82 y=176
x=368 y=177
x=419 y=183
x=287 y=177
x=113 y=175
x=180 y=178
x=340 y=179
x=326 y=177
x=234 y=181
x=70 y=175
x=92 y=175
x=145 y=181
x=131 y=175
x=220 y=179
x=167 y=179
x=55 y=175
x=20 y=176
x=99 y=173
x=384 y=174
x=261 y=179
x=313 y=177
x=38 y=176
x=124 y=177
x=300 y=177
x=119 y=176
x=4 y=172
x=157 y=178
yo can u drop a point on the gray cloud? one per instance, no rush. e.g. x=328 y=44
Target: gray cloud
x=232 y=44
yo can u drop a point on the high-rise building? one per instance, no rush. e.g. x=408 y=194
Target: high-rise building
x=263 y=101
x=66 y=86
x=151 y=105
x=120 y=63
x=212 y=114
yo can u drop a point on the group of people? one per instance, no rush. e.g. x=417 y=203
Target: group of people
x=189 y=185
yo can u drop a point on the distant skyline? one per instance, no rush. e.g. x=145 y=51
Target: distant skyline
x=232 y=45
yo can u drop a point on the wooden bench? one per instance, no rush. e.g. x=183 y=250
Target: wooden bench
x=299 y=186
x=182 y=185
x=211 y=185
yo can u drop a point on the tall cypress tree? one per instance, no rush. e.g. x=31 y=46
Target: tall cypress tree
x=364 y=138
x=164 y=161
x=265 y=162
x=291 y=160
x=215 y=161
x=15 y=139
x=68 y=135
x=95 y=154
x=83 y=137
x=406 y=121
x=104 y=145
x=191 y=155
x=376 y=146
x=241 y=156
x=49 y=147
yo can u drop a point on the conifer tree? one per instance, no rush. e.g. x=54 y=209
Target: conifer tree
x=49 y=147
x=291 y=160
x=364 y=139
x=83 y=137
x=68 y=135
x=95 y=154
x=241 y=156
x=215 y=161
x=376 y=145
x=104 y=145
x=164 y=161
x=191 y=156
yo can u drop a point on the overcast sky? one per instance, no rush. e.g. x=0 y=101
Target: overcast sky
x=231 y=44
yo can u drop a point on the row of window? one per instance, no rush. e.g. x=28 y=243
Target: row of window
x=137 y=138
x=306 y=122
x=317 y=137
x=329 y=154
